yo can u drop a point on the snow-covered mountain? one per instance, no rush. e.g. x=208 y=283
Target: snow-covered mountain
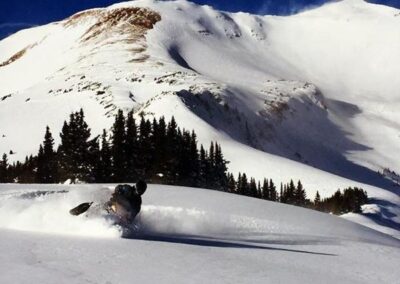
x=185 y=235
x=313 y=96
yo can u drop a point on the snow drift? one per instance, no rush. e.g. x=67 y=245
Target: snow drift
x=312 y=96
x=185 y=235
x=167 y=211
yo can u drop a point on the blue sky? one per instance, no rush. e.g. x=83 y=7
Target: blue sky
x=19 y=14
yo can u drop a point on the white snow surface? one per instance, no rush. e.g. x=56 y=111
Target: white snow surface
x=312 y=96
x=185 y=235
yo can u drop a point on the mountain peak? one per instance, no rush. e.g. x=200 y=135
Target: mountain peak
x=133 y=21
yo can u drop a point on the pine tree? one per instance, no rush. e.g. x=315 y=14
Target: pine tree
x=239 y=185
x=183 y=158
x=220 y=168
x=317 y=201
x=273 y=194
x=93 y=160
x=211 y=155
x=290 y=193
x=231 y=183
x=245 y=186
x=104 y=167
x=4 y=169
x=173 y=148
x=265 y=190
x=25 y=173
x=118 y=148
x=252 y=188
x=194 y=160
x=65 y=150
x=74 y=148
x=146 y=149
x=47 y=160
x=203 y=168
x=40 y=170
x=159 y=142
x=131 y=148
x=259 y=190
x=300 y=195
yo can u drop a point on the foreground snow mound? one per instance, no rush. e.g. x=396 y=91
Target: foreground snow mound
x=285 y=98
x=224 y=238
x=173 y=211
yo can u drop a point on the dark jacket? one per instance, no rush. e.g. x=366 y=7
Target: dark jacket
x=128 y=197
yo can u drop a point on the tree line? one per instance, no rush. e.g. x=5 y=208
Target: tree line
x=350 y=200
x=159 y=152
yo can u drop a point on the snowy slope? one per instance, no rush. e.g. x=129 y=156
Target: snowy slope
x=186 y=236
x=311 y=96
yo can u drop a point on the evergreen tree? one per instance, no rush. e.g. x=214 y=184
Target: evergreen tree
x=4 y=169
x=26 y=172
x=317 y=201
x=73 y=152
x=300 y=195
x=231 y=183
x=273 y=194
x=290 y=193
x=245 y=186
x=211 y=156
x=159 y=140
x=146 y=149
x=131 y=148
x=47 y=168
x=220 y=168
x=40 y=170
x=259 y=190
x=183 y=158
x=239 y=185
x=203 y=168
x=172 y=164
x=252 y=188
x=93 y=160
x=106 y=159
x=194 y=163
x=118 y=148
x=265 y=190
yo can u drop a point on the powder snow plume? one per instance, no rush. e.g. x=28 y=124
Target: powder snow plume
x=47 y=211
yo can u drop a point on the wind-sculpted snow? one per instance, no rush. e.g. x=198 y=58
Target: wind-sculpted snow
x=41 y=208
x=170 y=211
x=285 y=98
x=183 y=235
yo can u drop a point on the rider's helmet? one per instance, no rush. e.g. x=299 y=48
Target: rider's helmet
x=123 y=189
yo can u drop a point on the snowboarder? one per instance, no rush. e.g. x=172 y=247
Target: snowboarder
x=125 y=202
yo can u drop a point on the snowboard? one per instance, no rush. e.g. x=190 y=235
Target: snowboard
x=80 y=209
